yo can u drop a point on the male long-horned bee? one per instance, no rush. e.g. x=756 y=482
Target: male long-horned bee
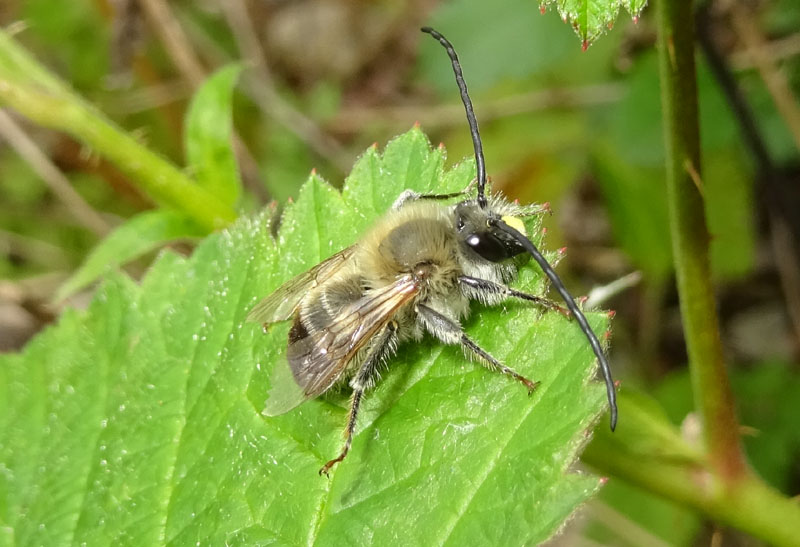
x=414 y=272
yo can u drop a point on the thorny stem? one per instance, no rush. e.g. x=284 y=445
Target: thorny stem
x=690 y=240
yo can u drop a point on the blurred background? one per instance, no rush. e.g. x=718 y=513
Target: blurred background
x=580 y=129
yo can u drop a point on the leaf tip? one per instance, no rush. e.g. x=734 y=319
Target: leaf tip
x=542 y=9
x=611 y=314
x=636 y=19
x=562 y=251
x=585 y=45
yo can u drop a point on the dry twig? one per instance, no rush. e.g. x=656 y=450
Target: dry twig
x=747 y=28
x=264 y=94
x=180 y=51
x=60 y=185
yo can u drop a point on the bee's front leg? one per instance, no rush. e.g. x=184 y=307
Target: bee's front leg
x=411 y=195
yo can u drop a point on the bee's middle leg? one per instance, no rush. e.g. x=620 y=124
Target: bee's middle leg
x=449 y=332
x=363 y=379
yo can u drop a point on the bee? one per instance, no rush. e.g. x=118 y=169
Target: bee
x=414 y=273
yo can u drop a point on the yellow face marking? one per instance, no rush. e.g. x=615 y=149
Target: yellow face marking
x=516 y=223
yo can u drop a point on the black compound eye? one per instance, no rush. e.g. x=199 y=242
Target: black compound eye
x=488 y=246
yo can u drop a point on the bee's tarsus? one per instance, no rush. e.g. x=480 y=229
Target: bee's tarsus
x=405 y=195
x=325 y=469
x=530 y=385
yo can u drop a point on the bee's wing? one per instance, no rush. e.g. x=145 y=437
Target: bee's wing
x=282 y=303
x=284 y=393
x=318 y=358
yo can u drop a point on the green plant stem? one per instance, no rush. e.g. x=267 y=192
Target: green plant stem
x=748 y=504
x=31 y=90
x=690 y=240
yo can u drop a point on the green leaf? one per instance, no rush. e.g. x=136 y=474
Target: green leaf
x=209 y=128
x=139 y=421
x=139 y=235
x=592 y=18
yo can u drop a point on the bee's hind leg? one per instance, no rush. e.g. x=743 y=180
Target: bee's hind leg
x=449 y=332
x=384 y=344
x=355 y=402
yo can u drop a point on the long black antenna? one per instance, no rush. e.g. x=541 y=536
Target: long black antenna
x=473 y=122
x=573 y=309
x=524 y=241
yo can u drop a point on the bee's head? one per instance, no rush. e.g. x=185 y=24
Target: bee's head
x=484 y=238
